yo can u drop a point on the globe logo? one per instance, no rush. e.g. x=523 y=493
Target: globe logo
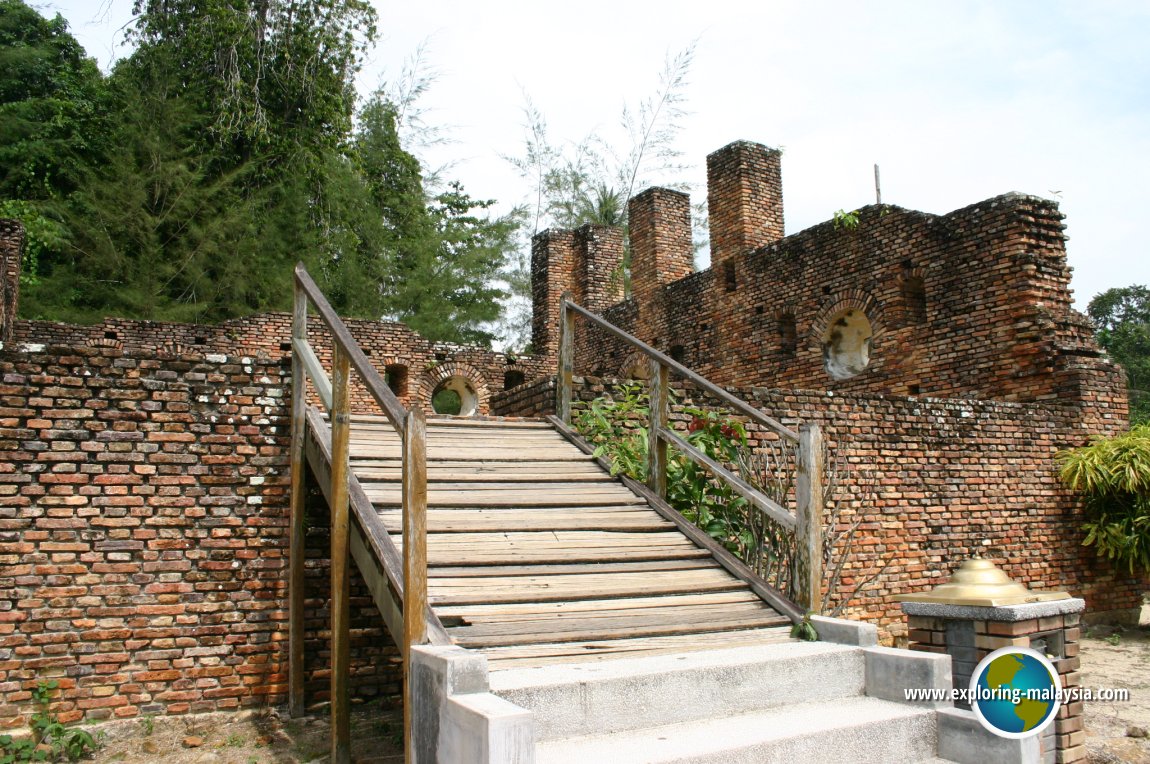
x=1015 y=692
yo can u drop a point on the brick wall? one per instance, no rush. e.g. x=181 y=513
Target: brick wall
x=143 y=537
x=975 y=303
x=267 y=337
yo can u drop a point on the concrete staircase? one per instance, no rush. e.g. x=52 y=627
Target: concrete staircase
x=789 y=702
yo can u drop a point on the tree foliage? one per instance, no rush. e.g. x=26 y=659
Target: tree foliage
x=1112 y=475
x=227 y=148
x=591 y=181
x=1122 y=319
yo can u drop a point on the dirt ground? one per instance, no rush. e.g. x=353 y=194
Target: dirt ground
x=1118 y=659
x=251 y=737
x=1111 y=659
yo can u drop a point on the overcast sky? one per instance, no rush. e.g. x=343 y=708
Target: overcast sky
x=956 y=101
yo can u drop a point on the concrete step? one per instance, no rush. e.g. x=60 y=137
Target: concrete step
x=641 y=693
x=854 y=729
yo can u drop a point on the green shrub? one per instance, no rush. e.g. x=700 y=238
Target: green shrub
x=1112 y=475
x=50 y=739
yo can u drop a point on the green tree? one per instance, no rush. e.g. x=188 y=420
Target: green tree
x=1112 y=475
x=229 y=152
x=1122 y=319
x=51 y=101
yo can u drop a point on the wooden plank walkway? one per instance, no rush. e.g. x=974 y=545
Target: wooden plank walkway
x=537 y=555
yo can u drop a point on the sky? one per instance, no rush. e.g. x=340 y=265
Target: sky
x=956 y=102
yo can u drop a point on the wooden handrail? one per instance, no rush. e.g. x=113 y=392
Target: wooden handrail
x=341 y=337
x=739 y=405
x=335 y=393
x=805 y=522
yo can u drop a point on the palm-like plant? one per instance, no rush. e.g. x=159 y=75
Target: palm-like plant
x=1112 y=475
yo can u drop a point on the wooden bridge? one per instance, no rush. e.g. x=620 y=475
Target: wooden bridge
x=510 y=537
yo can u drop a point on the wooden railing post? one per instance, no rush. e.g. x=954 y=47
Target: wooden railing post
x=414 y=499
x=296 y=553
x=566 y=368
x=656 y=446
x=340 y=559
x=809 y=506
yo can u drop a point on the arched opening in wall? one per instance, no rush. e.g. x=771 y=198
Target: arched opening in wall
x=788 y=333
x=455 y=396
x=847 y=344
x=395 y=374
x=512 y=378
x=914 y=299
x=678 y=354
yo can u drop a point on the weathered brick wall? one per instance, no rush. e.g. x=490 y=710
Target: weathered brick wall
x=267 y=336
x=531 y=399
x=975 y=303
x=936 y=481
x=971 y=304
x=143 y=537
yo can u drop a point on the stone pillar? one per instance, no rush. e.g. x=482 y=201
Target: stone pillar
x=598 y=266
x=11 y=251
x=552 y=274
x=745 y=199
x=661 y=250
x=944 y=624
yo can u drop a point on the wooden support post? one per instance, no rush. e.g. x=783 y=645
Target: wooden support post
x=414 y=497
x=340 y=559
x=296 y=554
x=656 y=445
x=809 y=505
x=566 y=360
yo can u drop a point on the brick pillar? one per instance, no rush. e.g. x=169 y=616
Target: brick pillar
x=745 y=199
x=598 y=266
x=970 y=633
x=552 y=274
x=661 y=249
x=11 y=250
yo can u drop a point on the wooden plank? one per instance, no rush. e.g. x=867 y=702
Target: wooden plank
x=566 y=361
x=463 y=521
x=527 y=610
x=545 y=556
x=469 y=499
x=342 y=338
x=474 y=455
x=415 y=600
x=602 y=567
x=576 y=488
x=600 y=650
x=377 y=584
x=297 y=543
x=809 y=502
x=732 y=564
x=436 y=422
x=639 y=625
x=314 y=370
x=559 y=539
x=558 y=588
x=437 y=475
x=656 y=445
x=340 y=560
